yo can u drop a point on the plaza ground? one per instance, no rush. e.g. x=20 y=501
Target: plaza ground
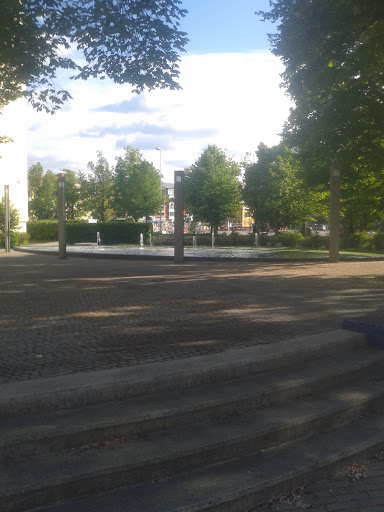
x=79 y=315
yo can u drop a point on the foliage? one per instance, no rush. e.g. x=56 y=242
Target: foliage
x=14 y=217
x=99 y=189
x=16 y=238
x=377 y=242
x=119 y=232
x=42 y=193
x=291 y=239
x=136 y=186
x=274 y=190
x=43 y=230
x=42 y=196
x=333 y=54
x=135 y=42
x=73 y=204
x=356 y=241
x=35 y=177
x=362 y=199
x=212 y=191
x=363 y=241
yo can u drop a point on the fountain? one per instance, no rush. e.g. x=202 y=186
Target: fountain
x=194 y=242
x=213 y=240
x=256 y=242
x=141 y=241
x=98 y=240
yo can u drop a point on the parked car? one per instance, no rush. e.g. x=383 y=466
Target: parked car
x=320 y=227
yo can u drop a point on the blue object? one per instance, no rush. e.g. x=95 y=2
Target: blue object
x=374 y=333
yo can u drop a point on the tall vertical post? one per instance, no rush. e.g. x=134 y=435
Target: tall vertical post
x=334 y=215
x=161 y=190
x=7 y=220
x=61 y=216
x=179 y=216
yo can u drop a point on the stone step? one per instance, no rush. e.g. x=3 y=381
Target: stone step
x=240 y=484
x=92 y=424
x=80 y=390
x=164 y=453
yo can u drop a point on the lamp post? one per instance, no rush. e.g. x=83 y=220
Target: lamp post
x=61 y=215
x=334 y=215
x=161 y=191
x=7 y=219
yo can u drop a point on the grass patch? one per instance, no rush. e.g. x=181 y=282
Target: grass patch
x=283 y=252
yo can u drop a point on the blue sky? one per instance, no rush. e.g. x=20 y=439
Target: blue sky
x=216 y=26
x=231 y=97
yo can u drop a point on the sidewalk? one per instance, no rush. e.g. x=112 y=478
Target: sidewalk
x=78 y=315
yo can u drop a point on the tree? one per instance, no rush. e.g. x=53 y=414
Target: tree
x=14 y=217
x=333 y=54
x=212 y=189
x=99 y=189
x=275 y=193
x=43 y=202
x=362 y=200
x=35 y=178
x=136 y=42
x=137 y=186
x=73 y=204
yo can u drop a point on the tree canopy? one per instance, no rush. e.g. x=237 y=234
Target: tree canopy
x=333 y=52
x=136 y=186
x=136 y=42
x=275 y=192
x=98 y=189
x=42 y=193
x=212 y=189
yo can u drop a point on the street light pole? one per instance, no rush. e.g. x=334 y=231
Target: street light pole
x=161 y=189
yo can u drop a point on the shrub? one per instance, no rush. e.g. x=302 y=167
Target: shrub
x=377 y=242
x=120 y=232
x=43 y=230
x=16 y=238
x=19 y=238
x=317 y=241
x=264 y=240
x=290 y=239
x=359 y=240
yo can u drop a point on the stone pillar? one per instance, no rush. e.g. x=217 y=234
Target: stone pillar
x=179 y=216
x=334 y=215
x=61 y=216
x=7 y=220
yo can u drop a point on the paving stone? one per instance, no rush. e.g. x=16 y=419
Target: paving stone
x=83 y=315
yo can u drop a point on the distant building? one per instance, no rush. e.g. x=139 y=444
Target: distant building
x=169 y=207
x=242 y=221
x=13 y=158
x=168 y=211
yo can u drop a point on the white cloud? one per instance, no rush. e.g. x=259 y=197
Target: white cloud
x=231 y=100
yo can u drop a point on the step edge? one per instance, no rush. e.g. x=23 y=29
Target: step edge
x=26 y=397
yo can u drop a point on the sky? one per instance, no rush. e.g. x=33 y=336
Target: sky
x=230 y=97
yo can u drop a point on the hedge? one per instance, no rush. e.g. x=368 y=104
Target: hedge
x=43 y=230
x=111 y=233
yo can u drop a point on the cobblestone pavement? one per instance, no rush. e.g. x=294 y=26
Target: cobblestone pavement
x=78 y=315
x=64 y=316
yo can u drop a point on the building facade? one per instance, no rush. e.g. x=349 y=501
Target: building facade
x=13 y=158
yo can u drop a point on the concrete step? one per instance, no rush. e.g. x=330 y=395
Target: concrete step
x=80 y=390
x=163 y=453
x=240 y=484
x=135 y=416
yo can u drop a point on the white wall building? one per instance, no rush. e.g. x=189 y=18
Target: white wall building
x=13 y=158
